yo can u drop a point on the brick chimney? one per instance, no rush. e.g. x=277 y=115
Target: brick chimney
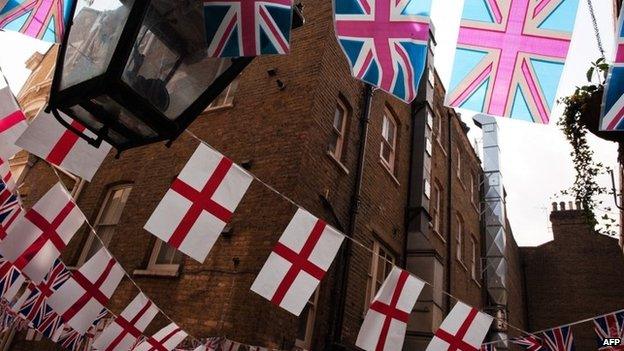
x=568 y=218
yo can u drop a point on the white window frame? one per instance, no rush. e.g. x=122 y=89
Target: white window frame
x=431 y=76
x=105 y=238
x=311 y=319
x=229 y=91
x=388 y=116
x=338 y=151
x=459 y=164
x=436 y=207
x=473 y=263
x=459 y=238
x=373 y=272
x=161 y=268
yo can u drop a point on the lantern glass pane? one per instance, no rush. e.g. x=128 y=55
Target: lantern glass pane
x=169 y=65
x=93 y=39
x=124 y=117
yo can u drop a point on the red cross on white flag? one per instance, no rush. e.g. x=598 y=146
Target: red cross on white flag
x=12 y=121
x=37 y=238
x=48 y=139
x=385 y=323
x=83 y=296
x=128 y=327
x=462 y=330
x=229 y=345
x=164 y=340
x=200 y=203
x=298 y=262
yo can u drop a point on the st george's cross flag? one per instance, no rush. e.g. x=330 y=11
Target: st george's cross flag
x=237 y=28
x=128 y=327
x=50 y=140
x=559 y=339
x=80 y=300
x=200 y=203
x=298 y=262
x=11 y=280
x=510 y=57
x=165 y=339
x=12 y=121
x=36 y=305
x=529 y=342
x=41 y=19
x=37 y=238
x=610 y=326
x=229 y=345
x=385 y=42
x=72 y=340
x=463 y=329
x=385 y=323
x=612 y=112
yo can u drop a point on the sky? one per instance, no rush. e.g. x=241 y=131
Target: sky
x=536 y=162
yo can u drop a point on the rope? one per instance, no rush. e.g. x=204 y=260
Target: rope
x=596 y=30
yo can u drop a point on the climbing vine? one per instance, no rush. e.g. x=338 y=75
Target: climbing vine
x=586 y=189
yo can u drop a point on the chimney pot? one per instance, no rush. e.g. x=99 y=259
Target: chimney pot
x=562 y=206
x=554 y=206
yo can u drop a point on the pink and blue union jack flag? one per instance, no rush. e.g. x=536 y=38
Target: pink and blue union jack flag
x=237 y=28
x=559 y=339
x=385 y=42
x=610 y=326
x=41 y=19
x=612 y=114
x=510 y=56
x=529 y=342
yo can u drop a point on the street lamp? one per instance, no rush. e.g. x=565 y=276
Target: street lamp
x=135 y=72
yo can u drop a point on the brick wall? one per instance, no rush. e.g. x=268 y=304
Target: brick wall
x=577 y=275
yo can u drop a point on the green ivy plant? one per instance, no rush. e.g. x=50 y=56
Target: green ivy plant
x=586 y=189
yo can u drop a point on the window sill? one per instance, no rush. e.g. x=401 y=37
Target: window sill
x=439 y=142
x=461 y=263
x=157 y=273
x=387 y=169
x=461 y=182
x=476 y=282
x=220 y=107
x=475 y=207
x=337 y=162
x=437 y=233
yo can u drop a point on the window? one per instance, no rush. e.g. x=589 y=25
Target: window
x=473 y=262
x=226 y=98
x=460 y=244
x=429 y=119
x=305 y=328
x=107 y=220
x=431 y=76
x=388 y=142
x=164 y=259
x=381 y=265
x=338 y=131
x=428 y=147
x=432 y=46
x=435 y=208
x=459 y=164
x=474 y=189
x=427 y=189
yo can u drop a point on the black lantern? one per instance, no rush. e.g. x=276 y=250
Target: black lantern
x=136 y=72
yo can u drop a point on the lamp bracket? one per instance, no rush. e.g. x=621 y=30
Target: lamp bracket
x=95 y=142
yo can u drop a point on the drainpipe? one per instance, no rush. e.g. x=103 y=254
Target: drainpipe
x=449 y=210
x=345 y=254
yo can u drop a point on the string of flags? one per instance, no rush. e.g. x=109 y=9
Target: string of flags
x=67 y=306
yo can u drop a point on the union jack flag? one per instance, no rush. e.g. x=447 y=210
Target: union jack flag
x=236 y=28
x=610 y=326
x=529 y=342
x=510 y=56
x=11 y=279
x=47 y=322
x=35 y=305
x=41 y=19
x=612 y=114
x=9 y=211
x=385 y=42
x=559 y=339
x=72 y=340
